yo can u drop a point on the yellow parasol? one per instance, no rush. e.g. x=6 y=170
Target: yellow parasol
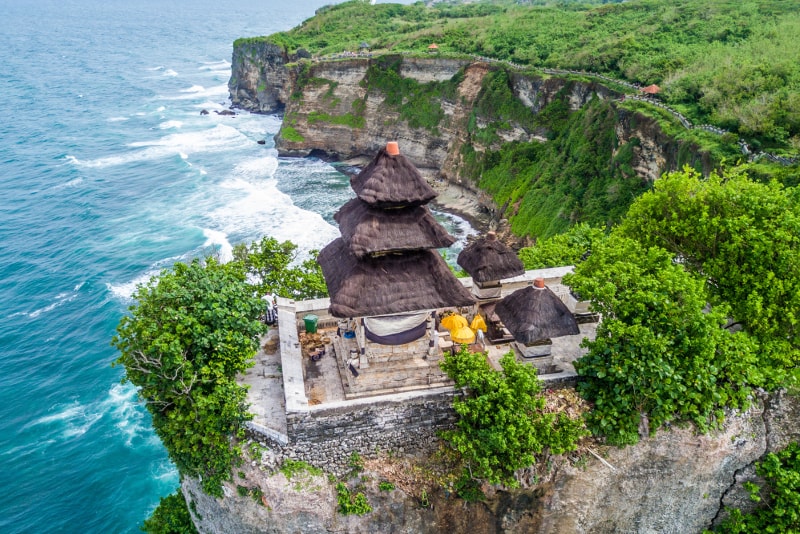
x=462 y=334
x=478 y=323
x=453 y=322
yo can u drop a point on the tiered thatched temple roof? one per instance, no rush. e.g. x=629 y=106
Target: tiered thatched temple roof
x=386 y=262
x=535 y=313
x=488 y=259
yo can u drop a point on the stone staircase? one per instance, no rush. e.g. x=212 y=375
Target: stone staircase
x=386 y=369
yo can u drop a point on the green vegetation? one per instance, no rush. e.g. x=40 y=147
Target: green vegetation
x=781 y=471
x=192 y=330
x=290 y=468
x=273 y=266
x=419 y=104
x=568 y=248
x=733 y=64
x=290 y=134
x=547 y=187
x=351 y=504
x=659 y=355
x=385 y=486
x=744 y=237
x=170 y=517
x=502 y=425
x=348 y=119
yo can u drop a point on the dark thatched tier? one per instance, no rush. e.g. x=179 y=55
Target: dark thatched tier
x=367 y=230
x=488 y=259
x=391 y=181
x=532 y=314
x=395 y=283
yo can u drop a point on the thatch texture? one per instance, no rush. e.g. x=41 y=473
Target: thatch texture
x=367 y=230
x=533 y=314
x=487 y=259
x=391 y=181
x=394 y=283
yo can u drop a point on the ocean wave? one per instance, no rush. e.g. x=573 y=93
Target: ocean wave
x=170 y=124
x=75 y=182
x=124 y=291
x=216 y=238
x=117 y=119
x=198 y=91
x=260 y=208
x=170 y=73
x=58 y=300
x=71 y=420
x=220 y=137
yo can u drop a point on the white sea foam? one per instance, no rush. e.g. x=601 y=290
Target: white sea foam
x=160 y=67
x=259 y=208
x=75 y=182
x=60 y=299
x=117 y=119
x=170 y=124
x=215 y=238
x=72 y=420
x=198 y=91
x=218 y=138
x=129 y=418
x=160 y=109
x=170 y=73
x=221 y=65
x=124 y=291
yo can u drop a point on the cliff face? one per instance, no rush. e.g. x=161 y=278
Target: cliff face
x=332 y=110
x=674 y=482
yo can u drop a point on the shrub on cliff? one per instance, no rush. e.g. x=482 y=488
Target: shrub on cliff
x=781 y=495
x=660 y=354
x=502 y=424
x=191 y=331
x=170 y=517
x=743 y=238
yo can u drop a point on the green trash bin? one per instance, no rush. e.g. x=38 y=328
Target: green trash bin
x=311 y=323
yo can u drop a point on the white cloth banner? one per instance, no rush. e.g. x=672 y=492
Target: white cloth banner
x=394 y=324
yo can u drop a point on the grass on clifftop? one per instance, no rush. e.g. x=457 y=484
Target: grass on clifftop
x=733 y=64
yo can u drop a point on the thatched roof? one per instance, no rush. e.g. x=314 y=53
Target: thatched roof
x=367 y=230
x=487 y=259
x=532 y=314
x=391 y=181
x=394 y=283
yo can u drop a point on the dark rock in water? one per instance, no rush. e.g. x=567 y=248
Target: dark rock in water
x=203 y=112
x=261 y=142
x=225 y=112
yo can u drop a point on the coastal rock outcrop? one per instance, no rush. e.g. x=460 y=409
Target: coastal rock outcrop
x=674 y=482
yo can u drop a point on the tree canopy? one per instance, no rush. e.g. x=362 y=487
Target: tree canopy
x=502 y=424
x=191 y=331
x=743 y=238
x=660 y=355
x=273 y=268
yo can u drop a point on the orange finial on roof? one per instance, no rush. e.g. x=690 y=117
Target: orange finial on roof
x=392 y=148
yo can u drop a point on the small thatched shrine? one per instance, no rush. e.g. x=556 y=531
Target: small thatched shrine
x=535 y=314
x=488 y=260
x=385 y=264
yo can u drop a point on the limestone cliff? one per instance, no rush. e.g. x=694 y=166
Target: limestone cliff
x=674 y=482
x=332 y=110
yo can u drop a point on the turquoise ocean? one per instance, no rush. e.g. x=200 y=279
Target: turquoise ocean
x=109 y=174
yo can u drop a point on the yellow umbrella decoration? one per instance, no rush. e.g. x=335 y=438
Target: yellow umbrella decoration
x=453 y=322
x=462 y=334
x=478 y=323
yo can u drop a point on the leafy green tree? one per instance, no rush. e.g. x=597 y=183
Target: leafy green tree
x=781 y=494
x=192 y=330
x=744 y=238
x=170 y=517
x=502 y=425
x=273 y=269
x=568 y=248
x=659 y=355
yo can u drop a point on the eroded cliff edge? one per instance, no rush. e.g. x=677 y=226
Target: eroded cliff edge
x=459 y=119
x=674 y=482
x=335 y=108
